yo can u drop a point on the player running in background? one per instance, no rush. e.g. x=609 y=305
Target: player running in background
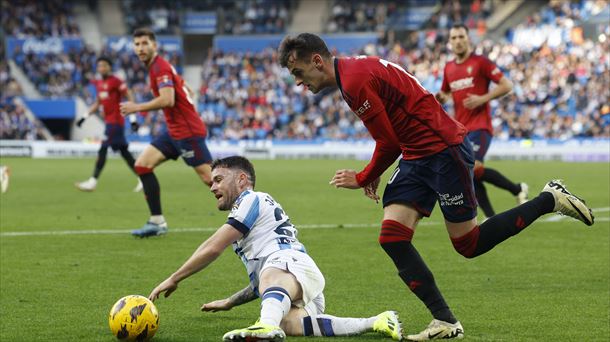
x=436 y=165
x=186 y=132
x=110 y=90
x=467 y=79
x=276 y=262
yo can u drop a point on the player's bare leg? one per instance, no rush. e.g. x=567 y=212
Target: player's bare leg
x=144 y=166
x=204 y=171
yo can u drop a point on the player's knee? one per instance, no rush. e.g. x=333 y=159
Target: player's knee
x=292 y=323
x=142 y=170
x=466 y=245
x=394 y=231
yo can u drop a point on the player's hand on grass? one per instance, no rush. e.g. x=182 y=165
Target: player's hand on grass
x=168 y=286
x=345 y=179
x=370 y=190
x=128 y=108
x=217 y=305
x=474 y=101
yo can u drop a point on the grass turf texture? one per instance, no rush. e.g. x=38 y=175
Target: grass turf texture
x=550 y=283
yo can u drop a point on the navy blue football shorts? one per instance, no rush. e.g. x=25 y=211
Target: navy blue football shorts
x=115 y=137
x=445 y=177
x=480 y=141
x=193 y=150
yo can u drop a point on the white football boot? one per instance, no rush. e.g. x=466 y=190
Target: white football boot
x=5 y=173
x=522 y=195
x=88 y=185
x=138 y=187
x=567 y=204
x=437 y=330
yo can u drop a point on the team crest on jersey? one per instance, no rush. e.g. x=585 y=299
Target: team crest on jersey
x=469 y=70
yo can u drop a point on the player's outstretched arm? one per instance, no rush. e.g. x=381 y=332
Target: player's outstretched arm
x=207 y=252
x=92 y=109
x=243 y=296
x=165 y=99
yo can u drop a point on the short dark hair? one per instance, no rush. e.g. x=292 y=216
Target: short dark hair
x=239 y=163
x=145 y=31
x=460 y=25
x=104 y=59
x=305 y=44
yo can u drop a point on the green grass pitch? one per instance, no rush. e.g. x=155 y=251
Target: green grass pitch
x=550 y=283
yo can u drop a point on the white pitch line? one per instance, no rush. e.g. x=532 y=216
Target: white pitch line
x=551 y=219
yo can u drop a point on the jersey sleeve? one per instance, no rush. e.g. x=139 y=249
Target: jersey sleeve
x=122 y=87
x=491 y=71
x=387 y=146
x=445 y=86
x=245 y=212
x=164 y=76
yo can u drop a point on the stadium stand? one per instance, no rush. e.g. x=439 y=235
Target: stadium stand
x=38 y=18
x=235 y=17
x=561 y=86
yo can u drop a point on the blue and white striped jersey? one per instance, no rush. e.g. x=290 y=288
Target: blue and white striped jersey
x=265 y=226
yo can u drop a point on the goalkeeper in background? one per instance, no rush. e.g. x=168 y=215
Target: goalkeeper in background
x=110 y=91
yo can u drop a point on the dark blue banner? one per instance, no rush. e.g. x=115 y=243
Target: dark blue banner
x=199 y=22
x=125 y=43
x=42 y=46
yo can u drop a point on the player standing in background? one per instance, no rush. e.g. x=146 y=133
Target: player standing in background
x=436 y=165
x=277 y=264
x=467 y=79
x=110 y=90
x=186 y=132
x=5 y=173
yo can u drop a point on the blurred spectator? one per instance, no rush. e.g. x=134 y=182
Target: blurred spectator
x=234 y=17
x=22 y=18
x=14 y=123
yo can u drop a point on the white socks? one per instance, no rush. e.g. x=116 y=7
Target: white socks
x=274 y=306
x=327 y=325
x=157 y=219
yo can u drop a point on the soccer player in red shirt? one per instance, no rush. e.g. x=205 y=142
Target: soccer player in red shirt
x=186 y=132
x=467 y=79
x=110 y=91
x=436 y=165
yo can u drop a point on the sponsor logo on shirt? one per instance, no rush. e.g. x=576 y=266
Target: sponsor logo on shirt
x=365 y=106
x=462 y=83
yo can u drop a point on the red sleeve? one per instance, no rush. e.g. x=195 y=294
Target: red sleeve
x=445 y=86
x=164 y=76
x=122 y=87
x=491 y=71
x=387 y=147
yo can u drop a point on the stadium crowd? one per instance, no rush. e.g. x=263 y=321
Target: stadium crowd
x=14 y=123
x=561 y=90
x=24 y=18
x=234 y=17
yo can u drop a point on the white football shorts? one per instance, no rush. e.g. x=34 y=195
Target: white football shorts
x=307 y=273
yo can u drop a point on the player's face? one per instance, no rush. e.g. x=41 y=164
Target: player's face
x=225 y=187
x=103 y=68
x=308 y=72
x=145 y=48
x=458 y=40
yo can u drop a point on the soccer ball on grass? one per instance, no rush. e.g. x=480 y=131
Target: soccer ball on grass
x=133 y=318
